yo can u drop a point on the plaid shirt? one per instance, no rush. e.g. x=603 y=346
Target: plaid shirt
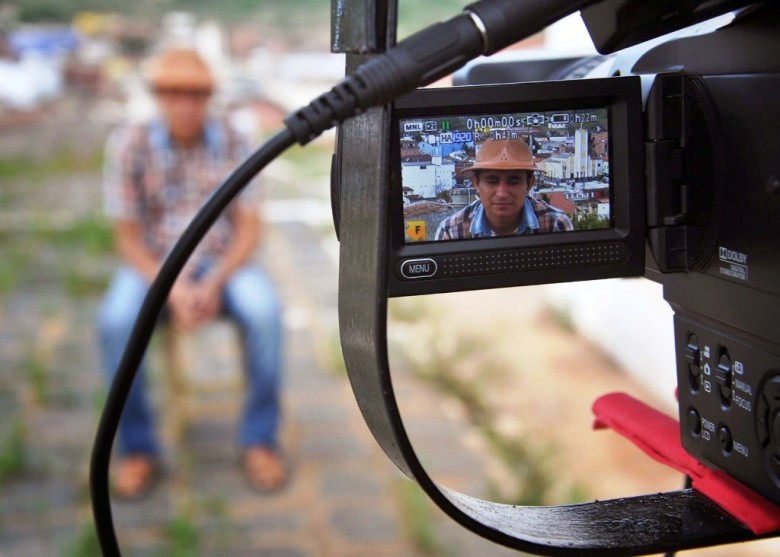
x=541 y=219
x=151 y=180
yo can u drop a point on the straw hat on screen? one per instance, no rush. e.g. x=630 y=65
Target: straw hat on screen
x=503 y=154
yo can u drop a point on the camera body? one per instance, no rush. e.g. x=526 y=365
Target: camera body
x=684 y=190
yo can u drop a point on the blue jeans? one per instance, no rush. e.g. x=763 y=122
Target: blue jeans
x=250 y=300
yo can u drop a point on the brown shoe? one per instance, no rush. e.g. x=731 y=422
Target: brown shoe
x=265 y=470
x=135 y=476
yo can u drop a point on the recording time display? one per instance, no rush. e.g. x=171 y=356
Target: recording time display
x=480 y=127
x=490 y=122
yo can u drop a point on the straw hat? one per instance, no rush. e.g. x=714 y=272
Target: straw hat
x=503 y=154
x=180 y=68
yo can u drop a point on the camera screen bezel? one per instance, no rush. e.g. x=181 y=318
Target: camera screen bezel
x=621 y=96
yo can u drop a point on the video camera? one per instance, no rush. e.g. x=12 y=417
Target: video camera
x=670 y=160
x=703 y=193
x=667 y=168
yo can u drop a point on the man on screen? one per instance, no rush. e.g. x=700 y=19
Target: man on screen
x=503 y=175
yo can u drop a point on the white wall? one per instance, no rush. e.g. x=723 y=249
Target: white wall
x=630 y=321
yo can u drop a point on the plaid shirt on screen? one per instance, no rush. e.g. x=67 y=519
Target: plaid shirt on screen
x=540 y=219
x=160 y=185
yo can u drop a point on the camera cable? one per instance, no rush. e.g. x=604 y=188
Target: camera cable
x=483 y=28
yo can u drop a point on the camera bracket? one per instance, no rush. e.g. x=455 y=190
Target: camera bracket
x=645 y=524
x=652 y=523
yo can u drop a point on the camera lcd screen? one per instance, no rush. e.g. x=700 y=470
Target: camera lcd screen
x=554 y=166
x=514 y=184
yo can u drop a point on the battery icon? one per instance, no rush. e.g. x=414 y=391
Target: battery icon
x=560 y=118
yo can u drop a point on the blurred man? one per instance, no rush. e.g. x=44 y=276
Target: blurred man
x=503 y=175
x=157 y=176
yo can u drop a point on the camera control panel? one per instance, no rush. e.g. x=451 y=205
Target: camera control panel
x=729 y=395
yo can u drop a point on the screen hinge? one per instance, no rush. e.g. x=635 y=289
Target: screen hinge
x=667 y=190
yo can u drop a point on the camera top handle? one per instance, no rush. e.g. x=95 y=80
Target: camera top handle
x=653 y=523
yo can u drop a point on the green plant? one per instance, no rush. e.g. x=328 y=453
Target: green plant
x=182 y=535
x=587 y=221
x=86 y=543
x=36 y=372
x=93 y=234
x=444 y=366
x=63 y=161
x=417 y=517
x=81 y=284
x=99 y=397
x=12 y=452
x=14 y=261
x=215 y=510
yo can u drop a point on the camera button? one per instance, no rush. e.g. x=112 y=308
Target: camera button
x=418 y=268
x=723 y=377
x=693 y=354
x=725 y=439
x=694 y=422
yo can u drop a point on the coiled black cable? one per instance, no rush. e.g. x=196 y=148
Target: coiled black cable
x=483 y=28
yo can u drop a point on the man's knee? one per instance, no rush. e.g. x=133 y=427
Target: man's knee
x=115 y=322
x=260 y=315
x=253 y=300
x=121 y=305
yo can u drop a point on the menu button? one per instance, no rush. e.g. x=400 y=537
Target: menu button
x=418 y=268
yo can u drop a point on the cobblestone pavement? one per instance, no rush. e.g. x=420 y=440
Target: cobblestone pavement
x=344 y=498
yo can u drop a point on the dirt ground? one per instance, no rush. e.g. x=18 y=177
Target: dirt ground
x=540 y=379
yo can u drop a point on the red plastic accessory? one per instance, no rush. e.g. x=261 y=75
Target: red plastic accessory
x=658 y=436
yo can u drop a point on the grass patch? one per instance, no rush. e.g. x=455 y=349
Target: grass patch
x=183 y=537
x=533 y=479
x=216 y=511
x=461 y=366
x=99 y=398
x=15 y=260
x=37 y=375
x=65 y=255
x=13 y=460
x=63 y=161
x=93 y=234
x=86 y=543
x=81 y=283
x=417 y=518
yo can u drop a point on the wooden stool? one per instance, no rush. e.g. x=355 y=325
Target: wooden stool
x=199 y=367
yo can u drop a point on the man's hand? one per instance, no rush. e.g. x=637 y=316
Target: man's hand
x=193 y=304
x=207 y=300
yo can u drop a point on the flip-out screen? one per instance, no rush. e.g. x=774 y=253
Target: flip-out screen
x=515 y=184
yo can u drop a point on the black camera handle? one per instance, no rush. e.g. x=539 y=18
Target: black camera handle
x=654 y=523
